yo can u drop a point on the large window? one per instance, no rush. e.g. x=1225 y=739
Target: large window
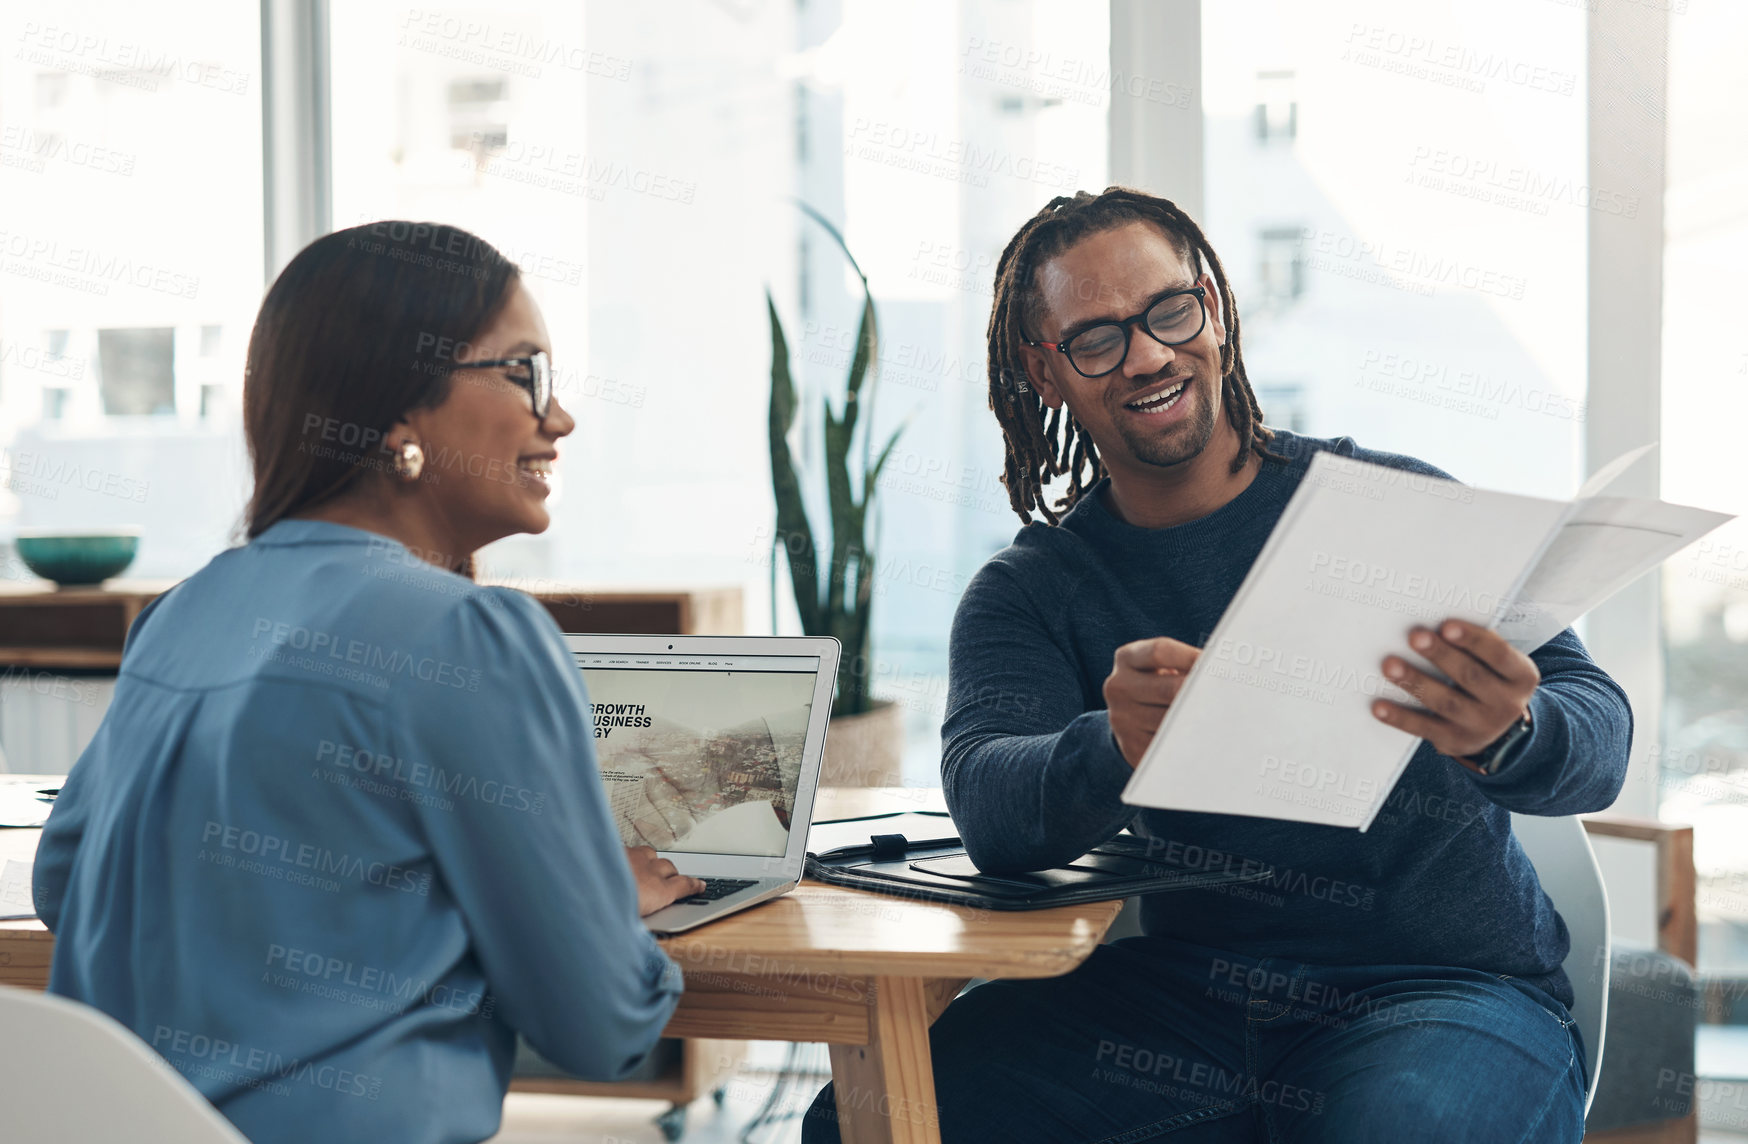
x=1703 y=751
x=935 y=131
x=643 y=164
x=1397 y=193
x=130 y=268
x=638 y=162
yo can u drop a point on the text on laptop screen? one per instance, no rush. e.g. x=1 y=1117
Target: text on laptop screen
x=701 y=752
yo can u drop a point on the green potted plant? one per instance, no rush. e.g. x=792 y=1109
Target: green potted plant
x=834 y=583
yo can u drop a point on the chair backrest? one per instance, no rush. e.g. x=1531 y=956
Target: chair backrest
x=69 y=1072
x=1566 y=866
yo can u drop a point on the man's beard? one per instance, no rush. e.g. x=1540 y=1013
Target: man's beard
x=1187 y=438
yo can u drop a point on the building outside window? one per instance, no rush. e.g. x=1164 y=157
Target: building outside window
x=1277 y=112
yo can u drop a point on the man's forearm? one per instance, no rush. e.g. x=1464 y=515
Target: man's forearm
x=1028 y=802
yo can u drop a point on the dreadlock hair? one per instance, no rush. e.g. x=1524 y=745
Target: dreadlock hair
x=1040 y=448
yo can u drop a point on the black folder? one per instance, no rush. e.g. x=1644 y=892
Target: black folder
x=916 y=854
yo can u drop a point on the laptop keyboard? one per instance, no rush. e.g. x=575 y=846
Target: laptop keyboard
x=715 y=888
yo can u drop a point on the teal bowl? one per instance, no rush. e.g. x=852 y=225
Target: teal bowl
x=78 y=558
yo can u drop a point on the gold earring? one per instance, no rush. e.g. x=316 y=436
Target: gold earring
x=409 y=461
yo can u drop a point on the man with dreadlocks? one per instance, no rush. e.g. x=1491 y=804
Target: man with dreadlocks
x=1398 y=985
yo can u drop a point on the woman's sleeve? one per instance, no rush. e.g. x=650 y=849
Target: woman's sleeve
x=65 y=828
x=59 y=846
x=523 y=839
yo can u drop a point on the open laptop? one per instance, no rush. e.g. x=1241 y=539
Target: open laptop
x=710 y=750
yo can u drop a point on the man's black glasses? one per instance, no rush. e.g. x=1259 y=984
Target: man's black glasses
x=1171 y=320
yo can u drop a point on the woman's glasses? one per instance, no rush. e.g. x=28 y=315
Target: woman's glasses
x=535 y=375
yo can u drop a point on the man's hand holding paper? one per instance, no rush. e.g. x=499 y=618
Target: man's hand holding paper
x=1314 y=689
x=1487 y=688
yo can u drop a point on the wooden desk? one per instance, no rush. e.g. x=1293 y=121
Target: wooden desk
x=865 y=973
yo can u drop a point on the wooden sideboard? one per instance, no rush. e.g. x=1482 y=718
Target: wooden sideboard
x=82 y=629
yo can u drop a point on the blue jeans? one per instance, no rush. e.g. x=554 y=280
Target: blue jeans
x=1153 y=1038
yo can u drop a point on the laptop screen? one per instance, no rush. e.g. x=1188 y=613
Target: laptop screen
x=701 y=753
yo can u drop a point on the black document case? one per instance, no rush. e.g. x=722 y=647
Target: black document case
x=917 y=855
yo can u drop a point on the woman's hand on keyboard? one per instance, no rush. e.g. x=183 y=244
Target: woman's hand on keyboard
x=658 y=883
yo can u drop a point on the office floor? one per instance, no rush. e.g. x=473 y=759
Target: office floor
x=555 y=1119
x=532 y=1119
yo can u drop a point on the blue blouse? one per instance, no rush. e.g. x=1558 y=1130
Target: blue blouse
x=339 y=837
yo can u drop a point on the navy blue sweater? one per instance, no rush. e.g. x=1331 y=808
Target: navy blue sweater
x=1033 y=775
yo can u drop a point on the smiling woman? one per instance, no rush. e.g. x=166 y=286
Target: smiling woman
x=334 y=954
x=350 y=404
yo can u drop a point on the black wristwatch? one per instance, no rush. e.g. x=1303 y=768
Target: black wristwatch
x=1497 y=753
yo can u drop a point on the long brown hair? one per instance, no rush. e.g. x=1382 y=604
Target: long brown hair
x=359 y=329
x=1039 y=448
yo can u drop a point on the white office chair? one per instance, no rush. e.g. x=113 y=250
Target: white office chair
x=55 y=1054
x=1566 y=866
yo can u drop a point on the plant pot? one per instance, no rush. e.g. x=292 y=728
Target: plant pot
x=865 y=750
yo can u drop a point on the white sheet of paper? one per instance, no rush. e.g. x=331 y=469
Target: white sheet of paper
x=1604 y=545
x=1274 y=720
x=15 y=899
x=20 y=805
